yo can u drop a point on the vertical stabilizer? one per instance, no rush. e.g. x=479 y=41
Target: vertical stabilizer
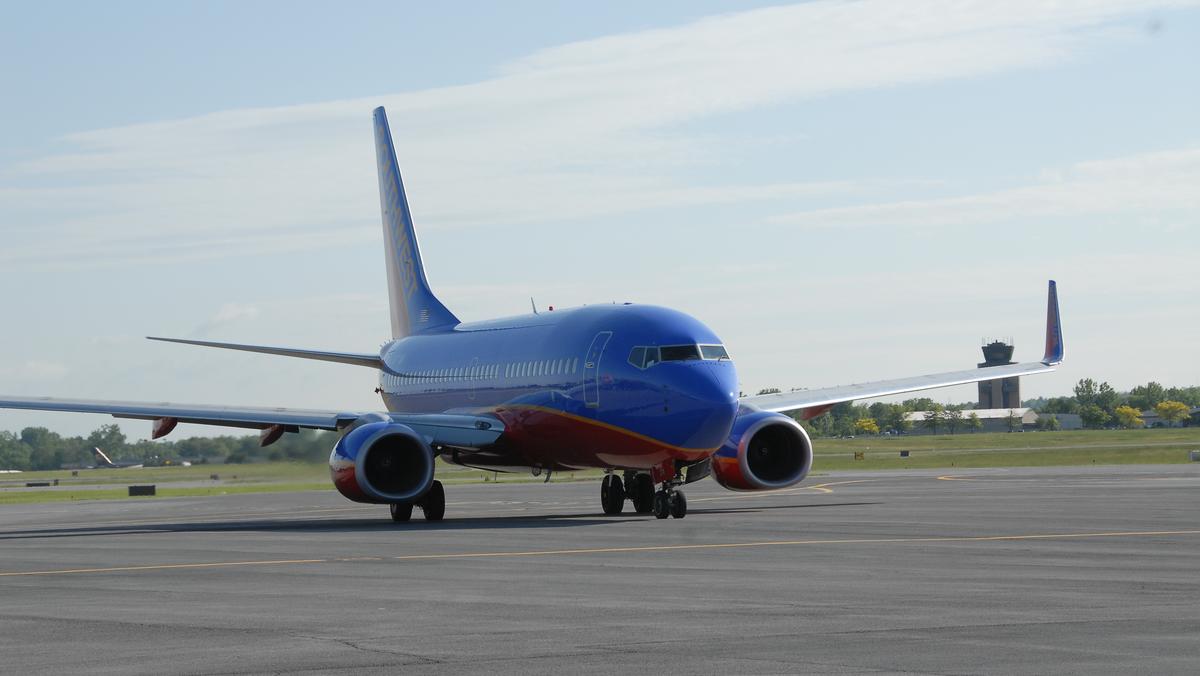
x=414 y=307
x=102 y=458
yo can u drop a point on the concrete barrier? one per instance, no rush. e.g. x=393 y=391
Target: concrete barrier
x=141 y=490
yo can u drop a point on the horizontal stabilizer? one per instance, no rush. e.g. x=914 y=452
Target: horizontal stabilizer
x=358 y=359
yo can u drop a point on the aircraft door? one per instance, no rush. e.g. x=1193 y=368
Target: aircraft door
x=591 y=369
x=473 y=378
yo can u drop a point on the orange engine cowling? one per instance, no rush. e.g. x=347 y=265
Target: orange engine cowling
x=765 y=451
x=382 y=462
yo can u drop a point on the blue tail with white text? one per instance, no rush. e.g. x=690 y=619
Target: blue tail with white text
x=414 y=307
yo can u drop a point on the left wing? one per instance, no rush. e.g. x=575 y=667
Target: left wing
x=454 y=430
x=812 y=403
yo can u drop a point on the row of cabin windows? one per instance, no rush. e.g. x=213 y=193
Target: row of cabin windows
x=545 y=367
x=484 y=372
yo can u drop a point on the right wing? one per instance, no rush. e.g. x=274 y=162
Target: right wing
x=811 y=403
x=468 y=432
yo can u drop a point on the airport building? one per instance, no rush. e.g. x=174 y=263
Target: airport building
x=995 y=420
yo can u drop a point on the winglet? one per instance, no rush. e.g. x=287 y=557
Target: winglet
x=1054 y=337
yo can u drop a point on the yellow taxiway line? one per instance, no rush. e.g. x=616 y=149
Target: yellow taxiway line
x=607 y=550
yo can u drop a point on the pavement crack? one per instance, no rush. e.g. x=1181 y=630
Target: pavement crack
x=419 y=659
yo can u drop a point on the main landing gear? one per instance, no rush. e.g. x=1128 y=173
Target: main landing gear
x=433 y=504
x=639 y=489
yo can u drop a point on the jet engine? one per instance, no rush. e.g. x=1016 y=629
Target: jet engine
x=764 y=452
x=382 y=462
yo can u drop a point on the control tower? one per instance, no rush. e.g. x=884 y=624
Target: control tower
x=1002 y=392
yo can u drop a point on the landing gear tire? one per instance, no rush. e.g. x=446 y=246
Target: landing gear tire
x=401 y=511
x=612 y=494
x=434 y=502
x=641 y=491
x=678 y=505
x=662 y=505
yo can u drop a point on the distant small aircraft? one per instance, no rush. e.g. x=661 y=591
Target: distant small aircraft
x=103 y=461
x=648 y=394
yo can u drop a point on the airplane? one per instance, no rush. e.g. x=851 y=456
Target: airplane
x=105 y=462
x=646 y=393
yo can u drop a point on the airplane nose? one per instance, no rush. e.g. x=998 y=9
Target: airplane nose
x=710 y=401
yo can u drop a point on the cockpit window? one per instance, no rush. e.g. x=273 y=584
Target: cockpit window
x=637 y=356
x=644 y=357
x=679 y=352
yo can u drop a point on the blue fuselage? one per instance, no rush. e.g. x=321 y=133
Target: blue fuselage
x=623 y=386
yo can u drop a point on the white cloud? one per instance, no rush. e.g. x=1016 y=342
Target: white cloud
x=567 y=132
x=1154 y=185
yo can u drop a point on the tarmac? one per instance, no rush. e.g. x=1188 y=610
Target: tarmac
x=1064 y=570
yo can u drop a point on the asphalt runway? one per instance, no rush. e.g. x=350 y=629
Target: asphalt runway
x=1066 y=570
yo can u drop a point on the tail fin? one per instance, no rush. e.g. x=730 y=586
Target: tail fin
x=414 y=307
x=102 y=458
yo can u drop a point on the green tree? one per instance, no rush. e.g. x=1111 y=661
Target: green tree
x=1093 y=417
x=1148 y=396
x=768 y=390
x=45 y=447
x=954 y=419
x=14 y=454
x=866 y=426
x=896 y=419
x=1059 y=405
x=1187 y=395
x=1087 y=392
x=1172 y=411
x=973 y=422
x=1129 y=417
x=1012 y=421
x=1048 y=422
x=933 y=418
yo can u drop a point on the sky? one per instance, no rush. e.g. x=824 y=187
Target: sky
x=843 y=191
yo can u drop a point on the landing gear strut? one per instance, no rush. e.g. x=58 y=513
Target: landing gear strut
x=433 y=504
x=612 y=494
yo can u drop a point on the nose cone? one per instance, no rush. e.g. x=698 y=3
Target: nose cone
x=707 y=400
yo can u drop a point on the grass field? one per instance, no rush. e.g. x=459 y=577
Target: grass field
x=1021 y=449
x=1027 y=449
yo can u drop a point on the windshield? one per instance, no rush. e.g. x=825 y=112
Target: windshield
x=679 y=352
x=714 y=352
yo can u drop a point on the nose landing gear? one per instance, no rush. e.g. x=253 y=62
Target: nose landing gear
x=670 y=502
x=639 y=488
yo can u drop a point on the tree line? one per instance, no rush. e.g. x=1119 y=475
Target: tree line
x=1098 y=405
x=37 y=448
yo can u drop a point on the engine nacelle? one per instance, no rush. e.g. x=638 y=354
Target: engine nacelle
x=764 y=452
x=382 y=462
